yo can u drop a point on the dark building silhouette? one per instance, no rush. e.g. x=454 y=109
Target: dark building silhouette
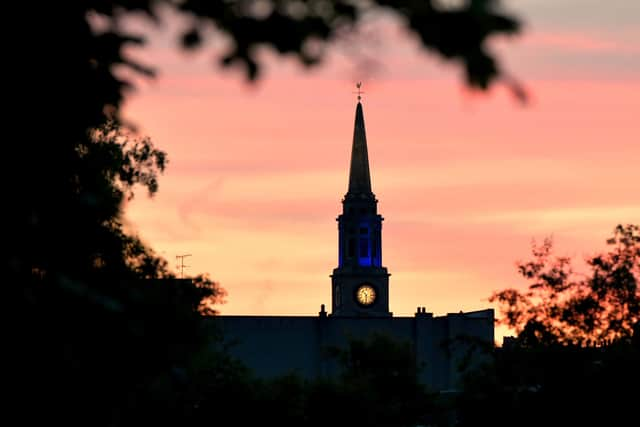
x=277 y=345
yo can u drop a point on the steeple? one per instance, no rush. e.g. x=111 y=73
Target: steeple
x=360 y=284
x=359 y=176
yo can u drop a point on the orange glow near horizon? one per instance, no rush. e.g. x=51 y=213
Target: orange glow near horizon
x=256 y=173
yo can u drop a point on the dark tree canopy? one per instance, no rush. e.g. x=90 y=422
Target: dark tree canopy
x=576 y=358
x=559 y=385
x=100 y=317
x=378 y=387
x=79 y=59
x=563 y=306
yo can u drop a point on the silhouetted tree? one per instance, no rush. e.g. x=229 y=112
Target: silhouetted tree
x=576 y=359
x=378 y=386
x=100 y=317
x=566 y=307
x=553 y=384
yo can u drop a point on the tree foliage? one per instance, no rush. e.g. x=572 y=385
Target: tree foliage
x=553 y=384
x=377 y=386
x=293 y=27
x=378 y=383
x=566 y=307
x=77 y=62
x=100 y=316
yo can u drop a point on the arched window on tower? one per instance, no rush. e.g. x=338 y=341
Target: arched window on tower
x=351 y=247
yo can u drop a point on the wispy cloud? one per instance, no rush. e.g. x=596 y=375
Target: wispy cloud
x=584 y=42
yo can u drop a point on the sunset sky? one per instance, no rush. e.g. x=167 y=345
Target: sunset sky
x=464 y=180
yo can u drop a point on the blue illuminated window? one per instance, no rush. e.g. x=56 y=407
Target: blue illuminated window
x=364 y=248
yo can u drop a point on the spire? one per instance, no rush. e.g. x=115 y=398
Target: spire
x=359 y=177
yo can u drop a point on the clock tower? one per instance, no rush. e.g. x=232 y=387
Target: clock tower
x=360 y=284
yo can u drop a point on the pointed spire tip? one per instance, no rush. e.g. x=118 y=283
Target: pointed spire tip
x=359 y=176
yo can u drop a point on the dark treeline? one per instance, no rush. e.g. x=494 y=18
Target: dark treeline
x=561 y=384
x=377 y=387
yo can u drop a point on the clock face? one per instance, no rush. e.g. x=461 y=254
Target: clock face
x=366 y=295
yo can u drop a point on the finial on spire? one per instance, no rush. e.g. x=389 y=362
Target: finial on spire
x=359 y=92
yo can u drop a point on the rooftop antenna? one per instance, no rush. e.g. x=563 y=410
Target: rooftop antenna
x=359 y=92
x=182 y=265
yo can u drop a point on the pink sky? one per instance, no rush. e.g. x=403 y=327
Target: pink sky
x=465 y=181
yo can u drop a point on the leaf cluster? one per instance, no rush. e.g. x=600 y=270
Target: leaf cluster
x=562 y=306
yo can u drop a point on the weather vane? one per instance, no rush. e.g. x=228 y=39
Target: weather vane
x=359 y=92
